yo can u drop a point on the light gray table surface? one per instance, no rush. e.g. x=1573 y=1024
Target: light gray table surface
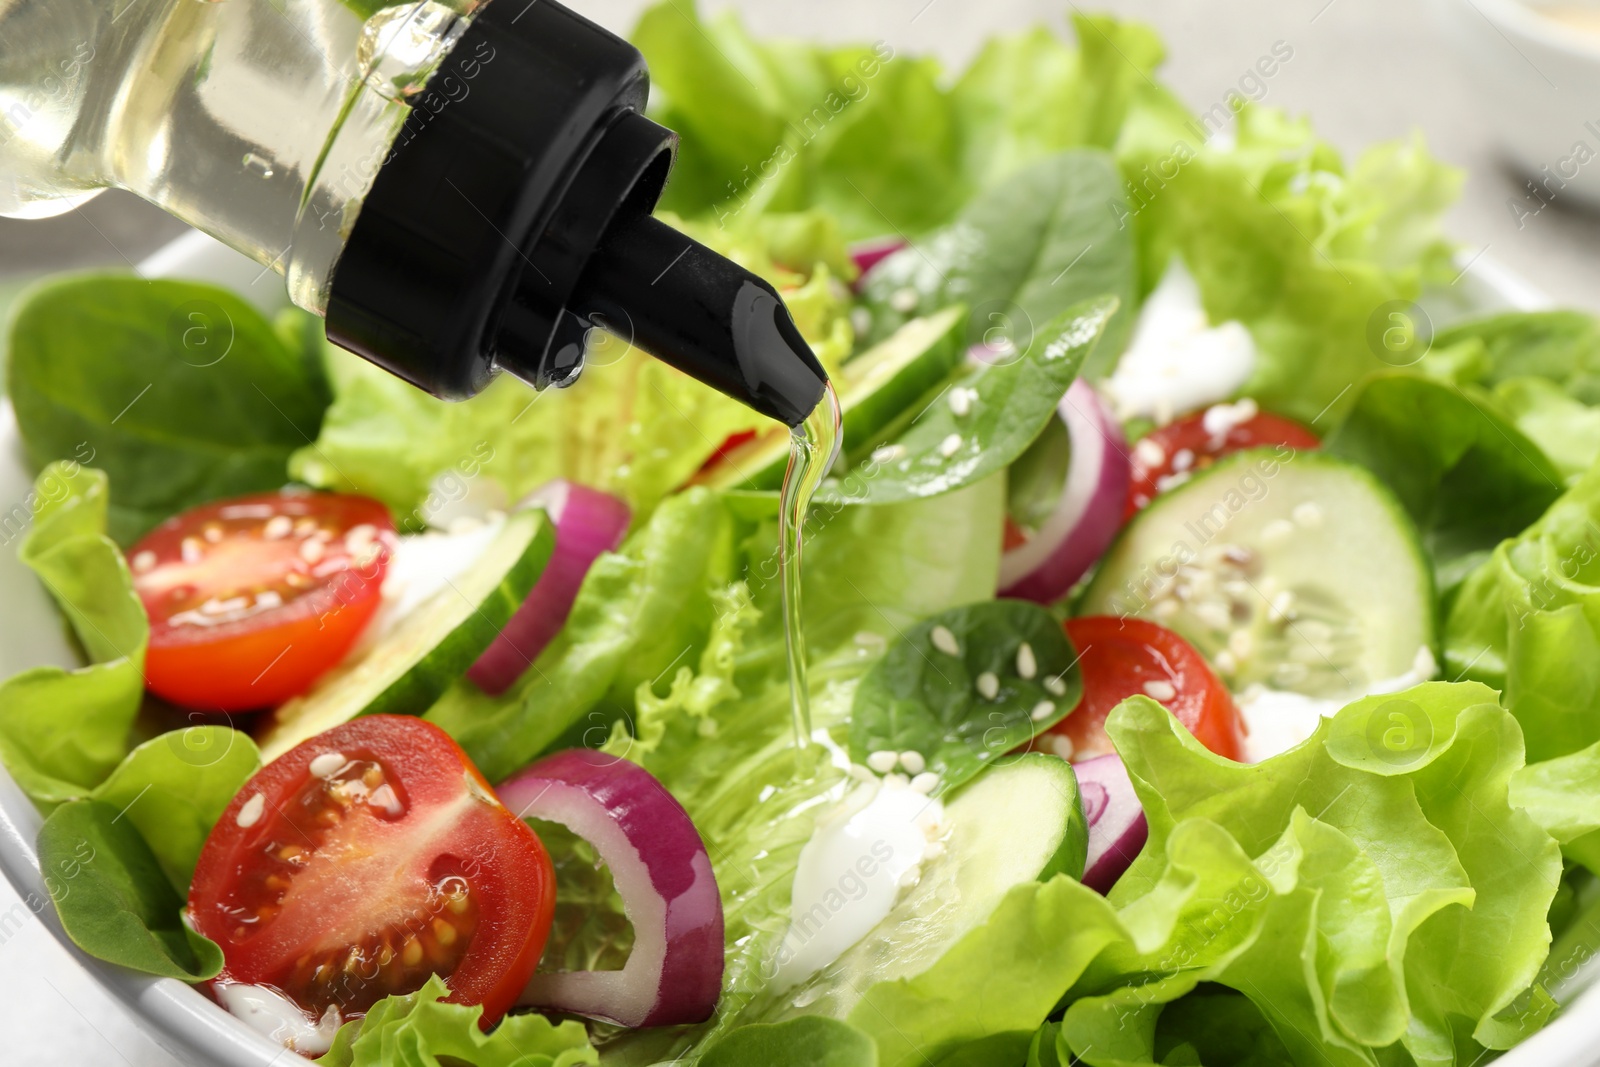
x=1365 y=70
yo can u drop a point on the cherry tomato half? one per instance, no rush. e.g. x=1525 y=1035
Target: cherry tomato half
x=1120 y=658
x=365 y=860
x=250 y=600
x=1175 y=451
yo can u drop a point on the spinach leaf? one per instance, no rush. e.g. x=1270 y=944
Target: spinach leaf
x=173 y=788
x=112 y=897
x=808 y=1041
x=62 y=732
x=1563 y=346
x=1021 y=254
x=954 y=442
x=181 y=391
x=958 y=689
x=1468 y=478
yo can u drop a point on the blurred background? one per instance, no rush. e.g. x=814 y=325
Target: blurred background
x=1466 y=74
x=1494 y=88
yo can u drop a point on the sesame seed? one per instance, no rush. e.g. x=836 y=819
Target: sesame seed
x=1282 y=606
x=268 y=599
x=913 y=762
x=250 y=813
x=909 y=878
x=1060 y=744
x=882 y=761
x=190 y=550
x=327 y=764
x=1159 y=690
x=1308 y=515
x=961 y=399
x=384 y=797
x=861 y=320
x=1225 y=662
x=144 y=562
x=1027 y=665
x=1055 y=686
x=277 y=528
x=1043 y=710
x=1241 y=644
x=945 y=641
x=988 y=685
x=360 y=538
x=1182 y=460
x=950 y=445
x=212 y=532
x=933 y=850
x=1150 y=454
x=905 y=300
x=1277 y=532
x=312 y=551
x=925 y=783
x=889 y=453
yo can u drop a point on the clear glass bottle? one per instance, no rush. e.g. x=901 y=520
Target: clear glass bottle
x=261 y=122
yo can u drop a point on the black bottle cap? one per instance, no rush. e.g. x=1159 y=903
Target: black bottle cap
x=476 y=248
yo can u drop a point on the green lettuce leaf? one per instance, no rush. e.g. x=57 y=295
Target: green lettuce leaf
x=112 y=897
x=876 y=139
x=1281 y=237
x=1566 y=430
x=639 y=613
x=182 y=392
x=421 y=1030
x=806 y=1042
x=61 y=731
x=1467 y=477
x=1563 y=346
x=1527 y=623
x=173 y=788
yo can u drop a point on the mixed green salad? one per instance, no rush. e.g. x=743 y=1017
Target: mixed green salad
x=1205 y=650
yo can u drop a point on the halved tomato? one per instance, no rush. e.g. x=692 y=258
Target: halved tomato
x=1120 y=658
x=1170 y=454
x=366 y=860
x=250 y=600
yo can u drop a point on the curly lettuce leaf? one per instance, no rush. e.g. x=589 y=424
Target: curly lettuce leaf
x=1562 y=346
x=63 y=731
x=1565 y=430
x=1281 y=237
x=877 y=140
x=1527 y=623
x=422 y=1030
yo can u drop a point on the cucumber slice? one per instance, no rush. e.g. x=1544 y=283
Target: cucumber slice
x=1304 y=575
x=990 y=850
x=874 y=388
x=428 y=648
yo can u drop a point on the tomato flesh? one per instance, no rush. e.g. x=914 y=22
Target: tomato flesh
x=367 y=859
x=251 y=600
x=1171 y=454
x=1120 y=658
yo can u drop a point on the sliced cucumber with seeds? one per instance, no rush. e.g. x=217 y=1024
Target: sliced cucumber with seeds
x=431 y=645
x=874 y=388
x=1302 y=574
x=1022 y=821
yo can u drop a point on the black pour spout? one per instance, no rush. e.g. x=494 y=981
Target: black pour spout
x=676 y=299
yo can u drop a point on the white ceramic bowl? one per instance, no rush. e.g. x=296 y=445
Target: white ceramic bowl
x=1537 y=81
x=193 y=1028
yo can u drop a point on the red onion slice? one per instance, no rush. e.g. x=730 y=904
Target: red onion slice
x=1089 y=513
x=1117 y=829
x=588 y=524
x=662 y=872
x=869 y=254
